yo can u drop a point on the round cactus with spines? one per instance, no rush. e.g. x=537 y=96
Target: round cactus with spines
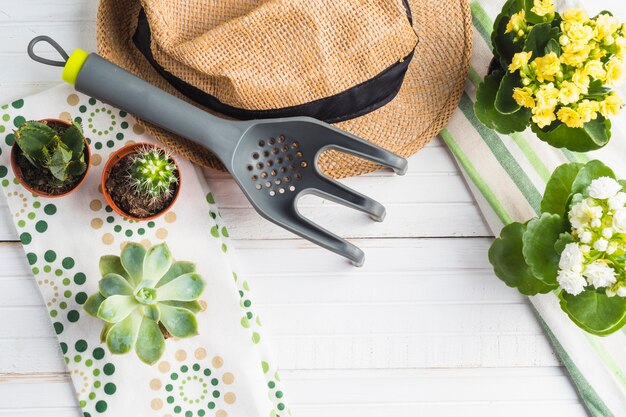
x=153 y=172
x=143 y=297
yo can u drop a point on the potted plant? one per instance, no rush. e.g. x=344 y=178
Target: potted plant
x=141 y=181
x=145 y=297
x=576 y=247
x=555 y=73
x=50 y=157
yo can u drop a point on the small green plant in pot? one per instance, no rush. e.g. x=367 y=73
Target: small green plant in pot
x=50 y=157
x=555 y=73
x=576 y=247
x=141 y=181
x=145 y=297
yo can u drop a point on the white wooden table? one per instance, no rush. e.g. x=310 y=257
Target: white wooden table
x=423 y=329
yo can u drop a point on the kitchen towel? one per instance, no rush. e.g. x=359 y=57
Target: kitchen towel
x=224 y=371
x=507 y=175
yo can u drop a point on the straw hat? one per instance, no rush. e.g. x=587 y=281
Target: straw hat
x=389 y=71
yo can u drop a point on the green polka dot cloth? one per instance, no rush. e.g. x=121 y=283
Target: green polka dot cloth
x=224 y=371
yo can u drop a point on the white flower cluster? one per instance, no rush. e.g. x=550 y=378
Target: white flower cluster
x=599 y=230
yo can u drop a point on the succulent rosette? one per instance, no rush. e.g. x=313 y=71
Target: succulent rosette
x=576 y=247
x=144 y=294
x=554 y=72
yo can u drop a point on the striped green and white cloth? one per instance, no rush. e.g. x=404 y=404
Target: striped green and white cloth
x=507 y=175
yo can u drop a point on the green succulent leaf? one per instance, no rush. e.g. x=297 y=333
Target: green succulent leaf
x=132 y=258
x=117 y=307
x=114 y=284
x=150 y=343
x=157 y=262
x=187 y=287
x=59 y=162
x=592 y=170
x=33 y=138
x=595 y=312
x=111 y=264
x=559 y=188
x=597 y=90
x=538 y=39
x=177 y=269
x=73 y=138
x=564 y=239
x=105 y=331
x=553 y=46
x=193 y=306
x=92 y=304
x=503 y=45
x=76 y=168
x=594 y=135
x=538 y=246
x=486 y=112
x=505 y=254
x=152 y=312
x=178 y=321
x=121 y=336
x=504 y=102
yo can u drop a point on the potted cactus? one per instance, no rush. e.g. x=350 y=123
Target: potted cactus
x=145 y=297
x=141 y=181
x=50 y=157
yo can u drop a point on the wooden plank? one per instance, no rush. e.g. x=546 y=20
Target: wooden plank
x=69 y=11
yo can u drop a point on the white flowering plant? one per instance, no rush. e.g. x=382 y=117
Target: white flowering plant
x=576 y=247
x=555 y=73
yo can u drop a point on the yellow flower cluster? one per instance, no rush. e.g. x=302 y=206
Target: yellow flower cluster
x=556 y=86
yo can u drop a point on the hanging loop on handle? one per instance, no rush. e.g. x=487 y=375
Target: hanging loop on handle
x=54 y=44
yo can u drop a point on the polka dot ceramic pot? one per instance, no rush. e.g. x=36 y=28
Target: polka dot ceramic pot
x=18 y=171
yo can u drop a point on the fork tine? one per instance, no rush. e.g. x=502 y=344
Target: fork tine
x=339 y=193
x=305 y=228
x=351 y=144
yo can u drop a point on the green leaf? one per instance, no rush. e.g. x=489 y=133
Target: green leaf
x=505 y=254
x=553 y=46
x=594 y=312
x=152 y=312
x=592 y=170
x=597 y=90
x=76 y=168
x=132 y=258
x=150 y=343
x=121 y=336
x=594 y=135
x=32 y=138
x=58 y=163
x=73 y=138
x=485 y=110
x=157 y=262
x=538 y=39
x=178 y=321
x=538 y=246
x=559 y=188
x=92 y=304
x=504 y=102
x=112 y=264
x=117 y=307
x=105 y=331
x=503 y=46
x=187 y=287
x=564 y=239
x=114 y=284
x=177 y=269
x=193 y=306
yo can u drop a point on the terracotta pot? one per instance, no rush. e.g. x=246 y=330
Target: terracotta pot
x=17 y=171
x=113 y=159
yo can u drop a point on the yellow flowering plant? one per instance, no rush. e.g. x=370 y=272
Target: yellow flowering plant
x=554 y=72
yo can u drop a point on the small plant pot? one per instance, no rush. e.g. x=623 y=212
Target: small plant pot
x=17 y=170
x=118 y=156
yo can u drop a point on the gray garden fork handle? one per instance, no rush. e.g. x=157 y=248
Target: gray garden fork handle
x=114 y=85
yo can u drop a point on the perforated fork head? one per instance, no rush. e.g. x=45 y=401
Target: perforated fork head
x=275 y=163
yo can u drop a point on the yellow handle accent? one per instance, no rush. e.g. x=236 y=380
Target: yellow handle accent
x=73 y=65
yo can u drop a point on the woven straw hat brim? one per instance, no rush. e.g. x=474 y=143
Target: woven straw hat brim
x=430 y=93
